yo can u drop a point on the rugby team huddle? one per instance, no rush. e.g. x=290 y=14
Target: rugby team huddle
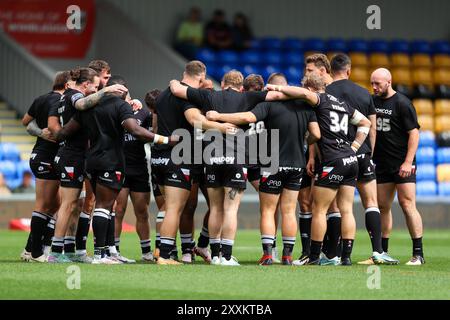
x=332 y=136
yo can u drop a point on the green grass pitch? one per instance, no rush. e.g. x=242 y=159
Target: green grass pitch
x=20 y=280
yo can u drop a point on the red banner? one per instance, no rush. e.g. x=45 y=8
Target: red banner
x=50 y=28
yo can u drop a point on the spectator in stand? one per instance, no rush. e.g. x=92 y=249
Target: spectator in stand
x=242 y=33
x=4 y=190
x=218 y=32
x=27 y=184
x=190 y=34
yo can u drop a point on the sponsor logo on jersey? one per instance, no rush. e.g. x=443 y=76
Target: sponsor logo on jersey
x=326 y=171
x=336 y=177
x=106 y=175
x=338 y=108
x=349 y=160
x=158 y=161
x=221 y=160
x=274 y=183
x=238 y=175
x=383 y=111
x=40 y=168
x=70 y=172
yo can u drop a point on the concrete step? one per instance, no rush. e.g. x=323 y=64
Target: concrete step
x=8 y=114
x=11 y=123
x=27 y=139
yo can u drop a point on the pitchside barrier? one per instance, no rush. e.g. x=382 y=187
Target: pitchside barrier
x=435 y=211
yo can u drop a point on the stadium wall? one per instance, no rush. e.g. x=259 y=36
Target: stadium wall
x=405 y=19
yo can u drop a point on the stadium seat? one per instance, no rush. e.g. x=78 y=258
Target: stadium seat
x=378 y=46
x=268 y=70
x=206 y=55
x=8 y=168
x=399 y=46
x=359 y=74
x=359 y=59
x=422 y=76
x=443 y=139
x=336 y=45
x=441 y=60
x=314 y=45
x=293 y=58
x=22 y=166
x=423 y=106
x=256 y=44
x=378 y=60
x=426 y=188
x=443 y=155
x=9 y=151
x=365 y=85
x=442 y=106
x=442 y=123
x=272 y=57
x=251 y=57
x=444 y=189
x=425 y=155
x=443 y=173
x=421 y=60
x=400 y=60
x=427 y=138
x=271 y=43
x=293 y=75
x=441 y=76
x=227 y=57
x=357 y=45
x=402 y=76
x=250 y=69
x=426 y=172
x=420 y=46
x=292 y=44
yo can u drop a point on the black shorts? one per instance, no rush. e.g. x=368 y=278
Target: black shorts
x=337 y=172
x=286 y=178
x=42 y=166
x=137 y=182
x=71 y=168
x=306 y=180
x=366 y=172
x=389 y=174
x=166 y=173
x=253 y=173
x=226 y=175
x=112 y=179
x=155 y=187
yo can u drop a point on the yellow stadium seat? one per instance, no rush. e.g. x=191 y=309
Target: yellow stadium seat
x=379 y=60
x=442 y=106
x=426 y=122
x=359 y=59
x=423 y=106
x=443 y=172
x=359 y=74
x=421 y=60
x=401 y=76
x=442 y=76
x=441 y=61
x=365 y=85
x=442 y=123
x=400 y=60
x=422 y=76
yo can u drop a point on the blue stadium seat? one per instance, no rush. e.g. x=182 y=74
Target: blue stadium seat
x=21 y=167
x=399 y=46
x=228 y=57
x=9 y=170
x=206 y=55
x=212 y=70
x=250 y=69
x=315 y=44
x=444 y=189
x=420 y=46
x=295 y=58
x=443 y=155
x=293 y=75
x=336 y=45
x=9 y=151
x=251 y=57
x=268 y=70
x=441 y=47
x=256 y=44
x=292 y=44
x=378 y=46
x=357 y=45
x=426 y=172
x=426 y=188
x=425 y=155
x=427 y=139
x=271 y=43
x=224 y=69
x=272 y=57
